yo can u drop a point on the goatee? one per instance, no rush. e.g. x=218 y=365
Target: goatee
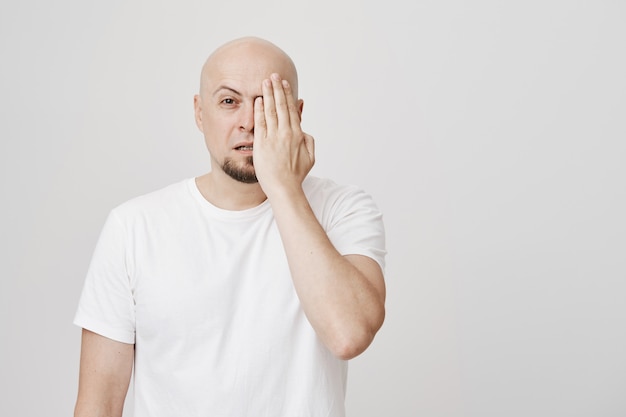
x=239 y=173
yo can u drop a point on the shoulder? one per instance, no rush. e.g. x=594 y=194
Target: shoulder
x=331 y=201
x=350 y=217
x=324 y=189
x=163 y=200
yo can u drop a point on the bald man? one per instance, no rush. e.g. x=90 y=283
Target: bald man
x=242 y=292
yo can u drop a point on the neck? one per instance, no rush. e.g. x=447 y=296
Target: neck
x=226 y=193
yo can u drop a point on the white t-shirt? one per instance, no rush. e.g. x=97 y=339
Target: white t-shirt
x=206 y=296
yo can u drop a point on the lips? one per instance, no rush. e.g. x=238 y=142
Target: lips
x=243 y=146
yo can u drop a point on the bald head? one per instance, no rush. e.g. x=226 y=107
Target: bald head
x=244 y=57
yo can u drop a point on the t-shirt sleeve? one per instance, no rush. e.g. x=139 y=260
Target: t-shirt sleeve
x=106 y=304
x=357 y=227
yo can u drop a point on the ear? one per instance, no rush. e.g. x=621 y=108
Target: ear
x=197 y=108
x=300 y=107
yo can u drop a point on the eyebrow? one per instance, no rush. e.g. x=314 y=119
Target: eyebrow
x=225 y=87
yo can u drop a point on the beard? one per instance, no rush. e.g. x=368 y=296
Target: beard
x=242 y=173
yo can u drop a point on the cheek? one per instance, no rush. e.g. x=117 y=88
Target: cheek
x=216 y=123
x=217 y=131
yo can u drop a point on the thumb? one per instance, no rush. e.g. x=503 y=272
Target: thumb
x=309 y=143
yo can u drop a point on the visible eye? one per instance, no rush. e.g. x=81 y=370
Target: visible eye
x=228 y=101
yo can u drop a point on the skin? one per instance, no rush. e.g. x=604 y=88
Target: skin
x=248 y=96
x=105 y=370
x=232 y=78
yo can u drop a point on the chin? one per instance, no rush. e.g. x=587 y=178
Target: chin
x=244 y=174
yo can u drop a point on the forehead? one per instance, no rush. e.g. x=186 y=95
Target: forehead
x=245 y=67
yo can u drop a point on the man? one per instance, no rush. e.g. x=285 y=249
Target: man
x=242 y=292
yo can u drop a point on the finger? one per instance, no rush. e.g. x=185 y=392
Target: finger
x=294 y=114
x=269 y=107
x=282 y=111
x=260 y=127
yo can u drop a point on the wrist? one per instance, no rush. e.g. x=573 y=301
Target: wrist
x=285 y=194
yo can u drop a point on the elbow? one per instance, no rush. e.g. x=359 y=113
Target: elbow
x=350 y=343
x=348 y=351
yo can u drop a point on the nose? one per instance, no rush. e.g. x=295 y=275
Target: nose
x=247 y=118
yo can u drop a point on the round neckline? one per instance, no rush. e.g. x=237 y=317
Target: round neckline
x=215 y=211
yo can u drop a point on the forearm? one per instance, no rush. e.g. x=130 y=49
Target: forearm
x=344 y=304
x=90 y=409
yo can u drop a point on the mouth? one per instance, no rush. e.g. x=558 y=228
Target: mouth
x=244 y=148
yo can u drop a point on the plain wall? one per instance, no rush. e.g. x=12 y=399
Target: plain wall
x=492 y=135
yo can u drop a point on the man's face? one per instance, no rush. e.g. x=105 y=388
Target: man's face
x=225 y=107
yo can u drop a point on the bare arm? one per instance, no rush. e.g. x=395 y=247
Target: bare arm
x=105 y=370
x=342 y=296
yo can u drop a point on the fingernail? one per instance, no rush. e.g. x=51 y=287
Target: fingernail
x=275 y=77
x=285 y=84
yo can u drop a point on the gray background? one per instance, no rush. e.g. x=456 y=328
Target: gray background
x=492 y=134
